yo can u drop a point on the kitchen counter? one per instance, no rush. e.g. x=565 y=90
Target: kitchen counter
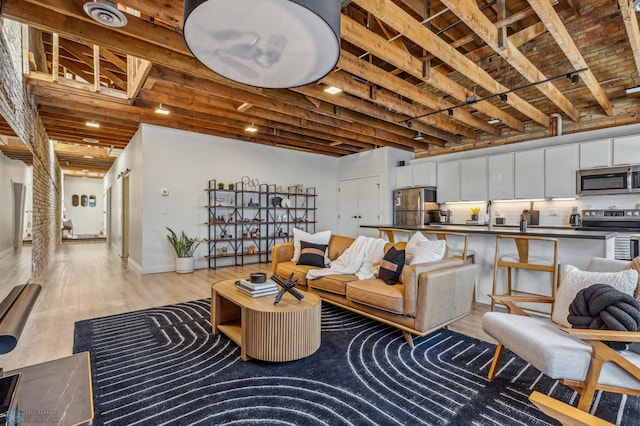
x=576 y=247
x=539 y=231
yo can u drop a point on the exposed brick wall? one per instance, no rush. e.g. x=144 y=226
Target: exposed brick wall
x=19 y=110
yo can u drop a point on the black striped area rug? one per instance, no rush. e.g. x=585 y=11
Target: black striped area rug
x=163 y=366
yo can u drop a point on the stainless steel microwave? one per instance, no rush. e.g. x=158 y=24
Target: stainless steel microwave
x=611 y=180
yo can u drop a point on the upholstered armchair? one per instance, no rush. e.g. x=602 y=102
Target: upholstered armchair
x=577 y=358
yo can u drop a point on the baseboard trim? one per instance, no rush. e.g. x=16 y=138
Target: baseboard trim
x=6 y=252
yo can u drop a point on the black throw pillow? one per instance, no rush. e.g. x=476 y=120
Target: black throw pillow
x=312 y=254
x=391 y=266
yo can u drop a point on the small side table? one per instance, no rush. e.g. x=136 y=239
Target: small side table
x=287 y=331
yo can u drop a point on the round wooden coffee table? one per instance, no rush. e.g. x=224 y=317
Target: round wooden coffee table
x=287 y=331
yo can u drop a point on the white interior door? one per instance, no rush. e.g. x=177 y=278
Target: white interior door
x=348 y=207
x=358 y=204
x=368 y=205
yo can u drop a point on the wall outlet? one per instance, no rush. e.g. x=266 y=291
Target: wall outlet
x=553 y=212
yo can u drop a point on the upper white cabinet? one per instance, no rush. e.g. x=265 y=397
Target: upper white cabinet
x=595 y=154
x=529 y=174
x=473 y=179
x=404 y=176
x=448 y=181
x=424 y=174
x=501 y=184
x=561 y=163
x=626 y=150
x=418 y=174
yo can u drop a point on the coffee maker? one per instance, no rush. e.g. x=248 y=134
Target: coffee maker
x=575 y=219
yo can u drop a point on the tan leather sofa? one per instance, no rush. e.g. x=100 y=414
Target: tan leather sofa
x=429 y=296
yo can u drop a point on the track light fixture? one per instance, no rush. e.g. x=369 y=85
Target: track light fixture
x=409 y=123
x=470 y=100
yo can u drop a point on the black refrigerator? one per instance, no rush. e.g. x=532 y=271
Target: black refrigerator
x=411 y=206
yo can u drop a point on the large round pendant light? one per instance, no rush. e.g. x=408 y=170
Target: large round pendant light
x=266 y=43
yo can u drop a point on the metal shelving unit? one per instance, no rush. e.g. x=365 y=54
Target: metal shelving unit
x=246 y=222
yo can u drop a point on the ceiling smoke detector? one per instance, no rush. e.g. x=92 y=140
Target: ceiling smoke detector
x=105 y=13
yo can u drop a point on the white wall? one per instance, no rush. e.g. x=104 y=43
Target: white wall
x=86 y=220
x=10 y=170
x=184 y=162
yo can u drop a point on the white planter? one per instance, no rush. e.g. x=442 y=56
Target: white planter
x=185 y=265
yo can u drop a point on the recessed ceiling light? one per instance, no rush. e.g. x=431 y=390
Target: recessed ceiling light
x=162 y=110
x=87 y=156
x=251 y=129
x=493 y=121
x=92 y=123
x=90 y=140
x=332 y=90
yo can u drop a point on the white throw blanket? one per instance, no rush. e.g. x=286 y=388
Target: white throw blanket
x=362 y=258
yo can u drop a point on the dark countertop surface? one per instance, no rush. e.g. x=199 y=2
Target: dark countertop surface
x=535 y=230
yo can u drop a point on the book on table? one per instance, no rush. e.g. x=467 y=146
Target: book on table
x=256 y=290
x=256 y=293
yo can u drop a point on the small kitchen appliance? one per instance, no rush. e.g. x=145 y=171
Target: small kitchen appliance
x=575 y=219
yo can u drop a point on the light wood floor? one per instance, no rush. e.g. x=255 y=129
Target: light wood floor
x=89 y=280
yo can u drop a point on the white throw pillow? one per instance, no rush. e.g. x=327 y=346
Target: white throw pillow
x=575 y=280
x=428 y=251
x=322 y=237
x=412 y=245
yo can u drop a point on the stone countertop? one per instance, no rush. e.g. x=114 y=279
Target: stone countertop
x=538 y=231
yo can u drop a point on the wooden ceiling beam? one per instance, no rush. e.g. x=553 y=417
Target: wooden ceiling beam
x=468 y=11
x=410 y=28
x=114 y=59
x=389 y=100
x=273 y=100
x=629 y=16
x=372 y=73
x=556 y=28
x=85 y=56
x=359 y=35
x=205 y=101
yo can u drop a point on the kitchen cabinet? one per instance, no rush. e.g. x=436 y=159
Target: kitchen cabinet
x=473 y=179
x=529 y=174
x=418 y=174
x=404 y=176
x=626 y=150
x=448 y=176
x=501 y=184
x=595 y=154
x=424 y=174
x=561 y=163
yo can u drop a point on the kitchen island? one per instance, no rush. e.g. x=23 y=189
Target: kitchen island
x=576 y=247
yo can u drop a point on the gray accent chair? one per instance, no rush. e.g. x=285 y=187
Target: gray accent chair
x=577 y=358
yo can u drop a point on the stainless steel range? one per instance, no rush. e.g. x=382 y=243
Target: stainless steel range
x=625 y=222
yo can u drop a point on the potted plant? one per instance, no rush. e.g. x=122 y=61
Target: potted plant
x=474 y=213
x=220 y=185
x=184 y=247
x=232 y=186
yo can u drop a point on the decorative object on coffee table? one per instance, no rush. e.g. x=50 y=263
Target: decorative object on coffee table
x=287 y=286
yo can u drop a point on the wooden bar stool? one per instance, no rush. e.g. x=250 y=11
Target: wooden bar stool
x=522 y=260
